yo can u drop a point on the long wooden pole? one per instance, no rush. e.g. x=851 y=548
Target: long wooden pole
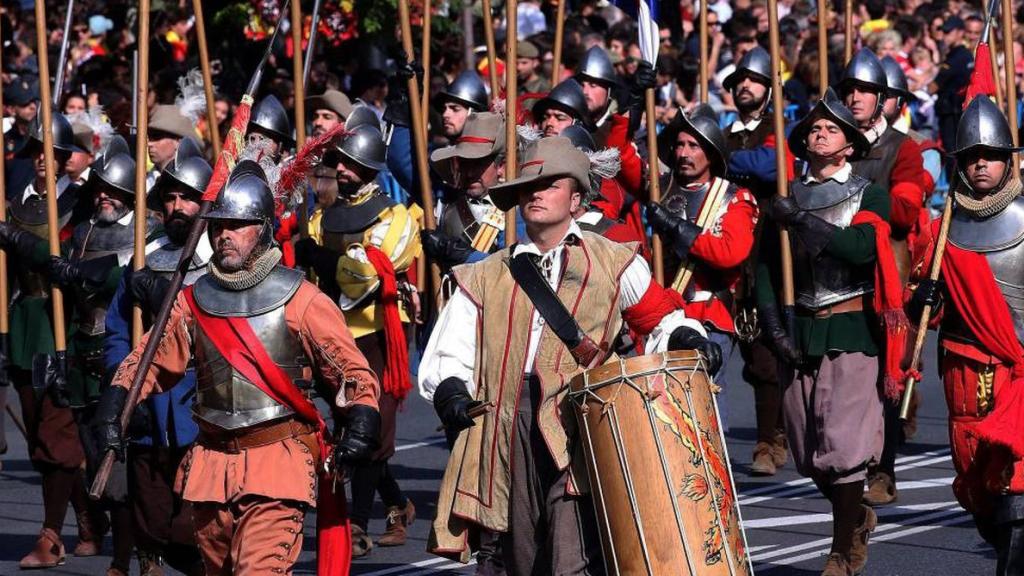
x=5 y=327
x=419 y=137
x=492 y=52
x=781 y=182
x=425 y=57
x=848 y=53
x=556 y=62
x=1011 y=73
x=653 y=185
x=300 y=90
x=822 y=47
x=926 y=313
x=141 y=155
x=204 y=65
x=511 y=90
x=993 y=63
x=703 y=51
x=53 y=224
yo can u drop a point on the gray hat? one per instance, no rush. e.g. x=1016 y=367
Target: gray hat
x=567 y=96
x=467 y=89
x=832 y=108
x=866 y=70
x=332 y=100
x=21 y=91
x=527 y=49
x=702 y=124
x=482 y=136
x=188 y=168
x=596 y=66
x=168 y=119
x=982 y=124
x=545 y=160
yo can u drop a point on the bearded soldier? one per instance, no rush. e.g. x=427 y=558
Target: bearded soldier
x=706 y=222
x=162 y=428
x=369 y=242
x=465 y=95
x=752 y=147
x=981 y=330
x=256 y=329
x=524 y=478
x=831 y=403
x=269 y=122
x=894 y=163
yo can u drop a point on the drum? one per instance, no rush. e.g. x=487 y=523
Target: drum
x=658 y=467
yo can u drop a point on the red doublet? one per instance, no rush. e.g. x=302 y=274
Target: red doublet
x=611 y=203
x=722 y=248
x=907 y=183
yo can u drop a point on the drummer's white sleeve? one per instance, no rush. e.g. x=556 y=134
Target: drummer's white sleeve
x=451 y=350
x=634 y=284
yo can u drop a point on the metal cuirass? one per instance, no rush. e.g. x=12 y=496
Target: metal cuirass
x=92 y=241
x=30 y=215
x=1000 y=238
x=462 y=218
x=224 y=397
x=823 y=280
x=687 y=204
x=877 y=165
x=165 y=260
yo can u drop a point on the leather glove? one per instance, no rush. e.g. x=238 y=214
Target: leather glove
x=106 y=423
x=50 y=376
x=771 y=324
x=360 y=437
x=928 y=293
x=686 y=338
x=814 y=233
x=397 y=110
x=678 y=231
x=323 y=261
x=20 y=242
x=783 y=209
x=452 y=402
x=86 y=274
x=446 y=250
x=149 y=288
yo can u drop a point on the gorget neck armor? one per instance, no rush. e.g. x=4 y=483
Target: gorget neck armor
x=30 y=213
x=164 y=259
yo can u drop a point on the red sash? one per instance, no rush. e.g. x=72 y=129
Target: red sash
x=238 y=344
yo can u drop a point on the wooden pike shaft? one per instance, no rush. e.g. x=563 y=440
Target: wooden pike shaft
x=492 y=52
x=511 y=112
x=300 y=89
x=994 y=65
x=53 y=224
x=204 y=64
x=141 y=155
x=823 y=15
x=4 y=317
x=556 y=62
x=848 y=53
x=653 y=186
x=926 y=313
x=425 y=57
x=1011 y=72
x=781 y=182
x=703 y=52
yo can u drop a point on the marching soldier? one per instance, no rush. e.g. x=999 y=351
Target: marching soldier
x=564 y=106
x=598 y=80
x=465 y=95
x=751 y=144
x=980 y=303
x=255 y=328
x=894 y=163
x=520 y=484
x=162 y=428
x=528 y=70
x=706 y=222
x=167 y=126
x=269 y=123
x=329 y=110
x=831 y=400
x=369 y=242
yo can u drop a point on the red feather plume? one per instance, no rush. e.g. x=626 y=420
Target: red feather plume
x=293 y=176
x=229 y=153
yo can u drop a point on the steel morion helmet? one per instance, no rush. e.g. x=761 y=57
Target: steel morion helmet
x=702 y=124
x=116 y=167
x=568 y=97
x=832 y=108
x=983 y=124
x=61 y=131
x=270 y=117
x=467 y=89
x=756 y=64
x=364 y=145
x=597 y=67
x=246 y=197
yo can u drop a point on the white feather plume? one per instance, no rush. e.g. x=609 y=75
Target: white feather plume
x=498 y=106
x=605 y=163
x=97 y=121
x=258 y=150
x=191 y=99
x=528 y=135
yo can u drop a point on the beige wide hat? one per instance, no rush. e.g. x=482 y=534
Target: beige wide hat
x=167 y=118
x=332 y=100
x=543 y=161
x=483 y=135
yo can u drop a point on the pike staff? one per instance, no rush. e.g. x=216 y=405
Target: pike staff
x=311 y=44
x=848 y=52
x=781 y=183
x=141 y=155
x=233 y=146
x=1011 y=76
x=492 y=66
x=425 y=58
x=301 y=209
x=511 y=91
x=822 y=47
x=556 y=62
x=62 y=61
x=204 y=65
x=703 y=52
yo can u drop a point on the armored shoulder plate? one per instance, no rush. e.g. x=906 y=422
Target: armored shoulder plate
x=32 y=212
x=342 y=218
x=995 y=233
x=273 y=292
x=827 y=194
x=166 y=257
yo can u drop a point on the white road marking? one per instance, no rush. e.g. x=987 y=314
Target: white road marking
x=407 y=567
x=800 y=519
x=434 y=442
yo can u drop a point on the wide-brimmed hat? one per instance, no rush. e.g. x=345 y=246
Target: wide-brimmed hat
x=832 y=108
x=483 y=135
x=545 y=160
x=332 y=100
x=168 y=119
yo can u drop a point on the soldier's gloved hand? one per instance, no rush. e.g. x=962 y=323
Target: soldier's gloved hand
x=310 y=255
x=106 y=424
x=785 y=347
x=360 y=437
x=645 y=78
x=87 y=274
x=49 y=376
x=444 y=249
x=928 y=293
x=783 y=209
x=679 y=233
x=149 y=288
x=452 y=402
x=814 y=232
x=686 y=338
x=407 y=69
x=21 y=242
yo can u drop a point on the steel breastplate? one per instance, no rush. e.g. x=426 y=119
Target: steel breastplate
x=164 y=260
x=825 y=280
x=1000 y=238
x=91 y=242
x=30 y=214
x=877 y=165
x=460 y=220
x=687 y=204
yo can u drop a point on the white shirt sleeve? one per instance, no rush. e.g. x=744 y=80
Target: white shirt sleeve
x=635 y=282
x=451 y=350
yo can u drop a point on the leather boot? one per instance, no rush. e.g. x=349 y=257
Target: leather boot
x=837 y=565
x=764 y=460
x=48 y=552
x=93 y=525
x=859 y=550
x=398 y=520
x=881 y=490
x=780 y=449
x=361 y=543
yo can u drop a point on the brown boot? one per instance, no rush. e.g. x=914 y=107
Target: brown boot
x=93 y=525
x=837 y=565
x=910 y=424
x=780 y=449
x=881 y=490
x=48 y=552
x=764 y=460
x=398 y=520
x=361 y=543
x=859 y=550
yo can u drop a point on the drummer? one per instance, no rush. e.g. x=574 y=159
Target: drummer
x=831 y=405
x=517 y=482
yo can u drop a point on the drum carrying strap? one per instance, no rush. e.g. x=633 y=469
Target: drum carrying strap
x=584 y=350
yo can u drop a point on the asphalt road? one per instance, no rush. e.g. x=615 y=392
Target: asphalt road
x=787 y=523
